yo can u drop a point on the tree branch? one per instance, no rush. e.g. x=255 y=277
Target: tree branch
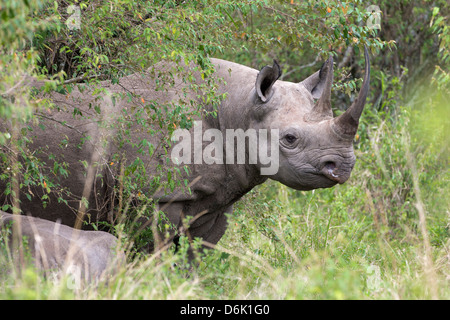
x=14 y=87
x=82 y=78
x=300 y=67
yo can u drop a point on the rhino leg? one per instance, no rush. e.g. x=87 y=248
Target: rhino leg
x=219 y=227
x=210 y=236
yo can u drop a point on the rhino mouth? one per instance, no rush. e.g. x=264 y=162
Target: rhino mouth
x=330 y=171
x=310 y=179
x=327 y=180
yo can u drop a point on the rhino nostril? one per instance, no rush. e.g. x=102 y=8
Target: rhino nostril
x=329 y=167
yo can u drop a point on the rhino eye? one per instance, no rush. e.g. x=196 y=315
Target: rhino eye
x=290 y=138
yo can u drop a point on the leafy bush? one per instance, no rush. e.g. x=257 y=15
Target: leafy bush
x=383 y=234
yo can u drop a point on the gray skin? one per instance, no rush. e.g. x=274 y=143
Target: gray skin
x=316 y=150
x=82 y=254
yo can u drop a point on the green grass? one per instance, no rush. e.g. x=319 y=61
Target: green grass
x=382 y=235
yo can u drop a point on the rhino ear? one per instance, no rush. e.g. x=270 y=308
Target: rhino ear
x=317 y=82
x=265 y=80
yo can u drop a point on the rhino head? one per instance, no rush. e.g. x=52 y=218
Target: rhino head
x=315 y=148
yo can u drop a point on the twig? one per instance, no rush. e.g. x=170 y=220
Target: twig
x=280 y=12
x=14 y=87
x=82 y=78
x=300 y=67
x=60 y=122
x=347 y=57
x=40 y=82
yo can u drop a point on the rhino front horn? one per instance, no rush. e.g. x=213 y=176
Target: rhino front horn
x=347 y=123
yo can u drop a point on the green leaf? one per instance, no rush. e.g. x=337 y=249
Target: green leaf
x=336 y=33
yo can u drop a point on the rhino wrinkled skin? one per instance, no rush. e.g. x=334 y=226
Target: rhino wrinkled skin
x=315 y=148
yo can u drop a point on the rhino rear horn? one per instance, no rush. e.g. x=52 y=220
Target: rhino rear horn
x=319 y=84
x=347 y=123
x=265 y=80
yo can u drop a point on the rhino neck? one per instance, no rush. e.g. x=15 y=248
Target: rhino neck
x=238 y=84
x=234 y=113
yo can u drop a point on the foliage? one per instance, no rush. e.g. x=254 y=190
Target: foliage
x=360 y=240
x=103 y=47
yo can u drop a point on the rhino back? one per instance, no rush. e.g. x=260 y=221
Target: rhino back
x=84 y=130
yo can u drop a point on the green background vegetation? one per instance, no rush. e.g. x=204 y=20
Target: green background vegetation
x=384 y=234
